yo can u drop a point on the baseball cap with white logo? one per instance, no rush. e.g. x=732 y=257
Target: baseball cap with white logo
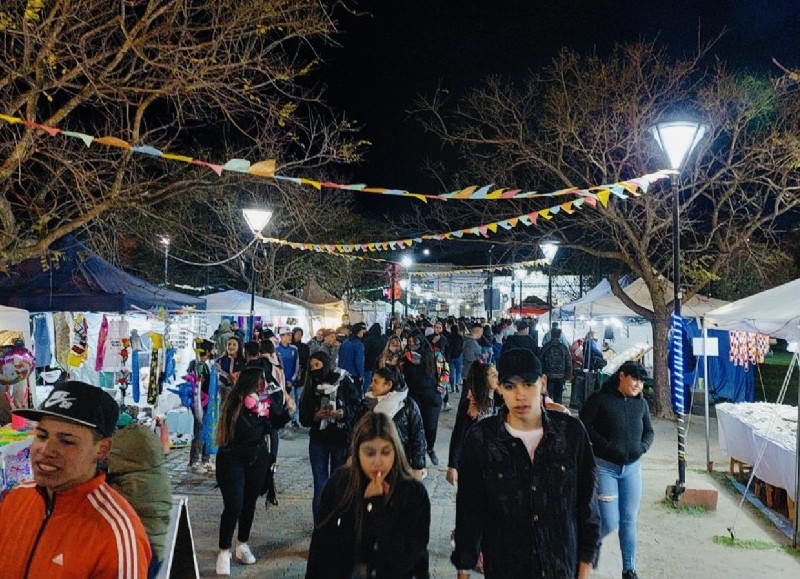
x=78 y=402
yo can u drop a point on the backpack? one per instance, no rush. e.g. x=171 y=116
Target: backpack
x=553 y=363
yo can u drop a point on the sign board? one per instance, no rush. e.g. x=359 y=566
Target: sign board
x=180 y=559
x=712 y=345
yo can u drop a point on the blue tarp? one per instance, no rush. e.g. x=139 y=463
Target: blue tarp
x=78 y=280
x=727 y=381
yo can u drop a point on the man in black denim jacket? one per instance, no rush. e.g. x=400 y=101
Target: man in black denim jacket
x=526 y=486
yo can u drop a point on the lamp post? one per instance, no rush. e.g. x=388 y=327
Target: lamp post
x=520 y=275
x=549 y=250
x=393 y=285
x=491 y=286
x=164 y=240
x=677 y=139
x=257 y=220
x=407 y=262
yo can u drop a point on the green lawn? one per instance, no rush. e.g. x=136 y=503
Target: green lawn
x=771 y=374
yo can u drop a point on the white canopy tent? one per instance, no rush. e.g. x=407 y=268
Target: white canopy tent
x=273 y=312
x=600 y=301
x=774 y=312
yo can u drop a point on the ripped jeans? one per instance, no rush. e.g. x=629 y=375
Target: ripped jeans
x=619 y=493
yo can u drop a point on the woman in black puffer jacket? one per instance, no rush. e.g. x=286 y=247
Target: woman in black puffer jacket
x=388 y=395
x=617 y=419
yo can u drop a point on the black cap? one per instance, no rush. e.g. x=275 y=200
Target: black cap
x=519 y=362
x=78 y=402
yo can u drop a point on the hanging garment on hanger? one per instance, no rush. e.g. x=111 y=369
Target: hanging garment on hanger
x=101 y=345
x=41 y=342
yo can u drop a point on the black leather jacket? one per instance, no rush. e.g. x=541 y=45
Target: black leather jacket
x=530 y=518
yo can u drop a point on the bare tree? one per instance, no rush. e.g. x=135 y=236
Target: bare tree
x=204 y=78
x=583 y=122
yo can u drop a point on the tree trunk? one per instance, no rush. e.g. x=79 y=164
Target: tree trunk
x=663 y=397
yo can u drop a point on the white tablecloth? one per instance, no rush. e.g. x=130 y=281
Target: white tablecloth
x=744 y=429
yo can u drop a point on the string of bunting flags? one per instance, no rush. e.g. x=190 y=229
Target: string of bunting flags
x=591 y=196
x=266 y=169
x=477 y=268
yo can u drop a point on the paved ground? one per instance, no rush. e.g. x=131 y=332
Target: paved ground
x=670 y=544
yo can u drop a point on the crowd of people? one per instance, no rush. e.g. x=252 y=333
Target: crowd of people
x=537 y=488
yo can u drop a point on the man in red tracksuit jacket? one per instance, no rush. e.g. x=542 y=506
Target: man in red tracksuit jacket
x=68 y=522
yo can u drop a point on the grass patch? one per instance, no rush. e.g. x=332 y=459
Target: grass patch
x=685 y=509
x=754 y=545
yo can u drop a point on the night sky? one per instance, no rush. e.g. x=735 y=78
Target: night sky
x=408 y=47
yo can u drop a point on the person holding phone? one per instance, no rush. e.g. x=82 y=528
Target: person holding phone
x=374 y=518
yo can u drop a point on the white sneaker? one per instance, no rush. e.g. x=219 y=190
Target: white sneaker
x=210 y=466
x=199 y=468
x=244 y=554
x=224 y=562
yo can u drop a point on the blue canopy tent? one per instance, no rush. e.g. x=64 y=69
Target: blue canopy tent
x=76 y=279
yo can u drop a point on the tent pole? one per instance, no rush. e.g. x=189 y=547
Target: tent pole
x=795 y=537
x=709 y=464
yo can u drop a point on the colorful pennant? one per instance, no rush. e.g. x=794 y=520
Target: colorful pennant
x=266 y=169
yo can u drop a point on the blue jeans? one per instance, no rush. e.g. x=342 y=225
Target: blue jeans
x=295 y=394
x=457 y=371
x=325 y=458
x=619 y=493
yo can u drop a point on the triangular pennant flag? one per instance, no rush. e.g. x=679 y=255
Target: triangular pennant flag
x=513 y=221
x=481 y=193
x=619 y=191
x=534 y=217
x=216 y=168
x=294 y=180
x=483 y=230
x=315 y=184
x=147 y=150
x=546 y=214
x=176 y=157
x=554 y=210
x=590 y=200
x=492 y=227
x=510 y=193
x=52 y=131
x=474 y=231
x=578 y=202
x=237 y=165
x=11 y=120
x=603 y=196
x=567 y=207
x=87 y=139
x=459 y=233
x=465 y=193
x=409 y=242
x=504 y=224
x=113 y=142
x=496 y=194
x=525 y=220
x=263 y=168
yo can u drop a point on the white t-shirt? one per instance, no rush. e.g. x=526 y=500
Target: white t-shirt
x=530 y=438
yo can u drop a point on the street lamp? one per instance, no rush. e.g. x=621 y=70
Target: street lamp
x=407 y=262
x=164 y=240
x=257 y=220
x=549 y=250
x=519 y=275
x=677 y=140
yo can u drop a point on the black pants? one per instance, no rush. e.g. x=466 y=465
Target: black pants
x=430 y=405
x=240 y=477
x=555 y=388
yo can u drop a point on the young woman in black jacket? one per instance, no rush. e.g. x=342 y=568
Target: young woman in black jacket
x=617 y=419
x=374 y=516
x=477 y=403
x=328 y=407
x=243 y=460
x=418 y=366
x=388 y=394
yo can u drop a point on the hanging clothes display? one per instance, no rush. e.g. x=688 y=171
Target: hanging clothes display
x=135 y=381
x=101 y=345
x=211 y=415
x=117 y=330
x=62 y=322
x=79 y=350
x=41 y=341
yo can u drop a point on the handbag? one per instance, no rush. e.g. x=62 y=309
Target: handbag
x=279 y=415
